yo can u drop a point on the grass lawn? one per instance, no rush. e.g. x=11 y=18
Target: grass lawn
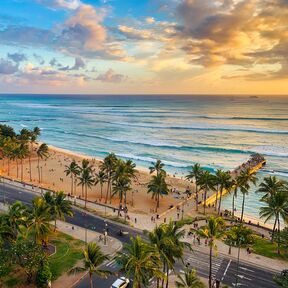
x=264 y=247
x=68 y=253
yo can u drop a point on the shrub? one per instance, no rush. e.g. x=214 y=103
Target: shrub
x=44 y=275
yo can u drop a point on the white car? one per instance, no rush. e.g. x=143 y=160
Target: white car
x=122 y=282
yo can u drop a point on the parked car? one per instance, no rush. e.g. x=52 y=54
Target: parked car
x=121 y=282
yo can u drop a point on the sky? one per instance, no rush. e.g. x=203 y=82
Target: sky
x=144 y=46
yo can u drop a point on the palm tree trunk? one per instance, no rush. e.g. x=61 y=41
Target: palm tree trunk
x=196 y=198
x=243 y=205
x=205 y=195
x=125 y=206
x=75 y=185
x=107 y=193
x=110 y=195
x=17 y=168
x=216 y=200
x=237 y=272
x=21 y=169
x=39 y=176
x=233 y=205
x=210 y=265
x=91 y=280
x=220 y=200
x=72 y=180
x=85 y=195
x=278 y=246
x=30 y=171
x=164 y=269
x=167 y=275
x=8 y=168
x=101 y=190
x=55 y=223
x=273 y=231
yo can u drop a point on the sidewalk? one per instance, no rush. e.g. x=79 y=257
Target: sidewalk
x=113 y=245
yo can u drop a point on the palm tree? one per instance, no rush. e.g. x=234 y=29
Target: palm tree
x=245 y=179
x=32 y=136
x=42 y=152
x=140 y=261
x=269 y=187
x=23 y=153
x=100 y=178
x=212 y=231
x=86 y=180
x=206 y=182
x=168 y=240
x=223 y=180
x=240 y=236
x=190 y=280
x=195 y=174
x=24 y=138
x=158 y=167
x=121 y=186
x=39 y=220
x=235 y=184
x=73 y=170
x=158 y=187
x=108 y=166
x=93 y=259
x=277 y=208
x=59 y=206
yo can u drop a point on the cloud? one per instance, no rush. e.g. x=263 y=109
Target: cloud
x=39 y=59
x=111 y=76
x=7 y=67
x=79 y=63
x=66 y=4
x=17 y=57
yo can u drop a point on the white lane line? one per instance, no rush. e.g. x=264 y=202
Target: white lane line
x=227 y=267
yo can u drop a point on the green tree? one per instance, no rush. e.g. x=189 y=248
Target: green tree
x=276 y=206
x=213 y=231
x=282 y=279
x=39 y=220
x=140 y=261
x=23 y=153
x=158 y=166
x=206 y=182
x=93 y=258
x=100 y=178
x=195 y=174
x=246 y=177
x=42 y=153
x=269 y=187
x=73 y=170
x=59 y=206
x=189 y=280
x=158 y=187
x=240 y=236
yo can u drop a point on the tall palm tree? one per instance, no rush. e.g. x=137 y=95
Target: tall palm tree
x=158 y=187
x=42 y=152
x=140 y=261
x=93 y=259
x=276 y=207
x=223 y=180
x=86 y=180
x=206 y=183
x=246 y=177
x=158 y=166
x=108 y=166
x=120 y=187
x=240 y=236
x=33 y=135
x=100 y=178
x=59 y=206
x=269 y=187
x=39 y=220
x=189 y=280
x=235 y=184
x=23 y=153
x=168 y=240
x=73 y=170
x=24 y=137
x=195 y=174
x=212 y=231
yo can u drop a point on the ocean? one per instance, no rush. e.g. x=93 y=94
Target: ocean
x=215 y=131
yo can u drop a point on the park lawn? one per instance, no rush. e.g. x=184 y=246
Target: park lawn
x=68 y=252
x=264 y=247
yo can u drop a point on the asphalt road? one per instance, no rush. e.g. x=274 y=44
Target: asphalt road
x=224 y=269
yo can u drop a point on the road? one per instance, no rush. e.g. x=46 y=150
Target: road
x=224 y=269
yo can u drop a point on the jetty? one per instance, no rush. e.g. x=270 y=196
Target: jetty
x=255 y=162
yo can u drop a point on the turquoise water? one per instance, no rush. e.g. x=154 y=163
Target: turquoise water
x=217 y=132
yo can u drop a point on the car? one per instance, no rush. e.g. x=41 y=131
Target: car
x=121 y=282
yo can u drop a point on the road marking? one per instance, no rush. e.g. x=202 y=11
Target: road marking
x=246 y=269
x=243 y=277
x=227 y=267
